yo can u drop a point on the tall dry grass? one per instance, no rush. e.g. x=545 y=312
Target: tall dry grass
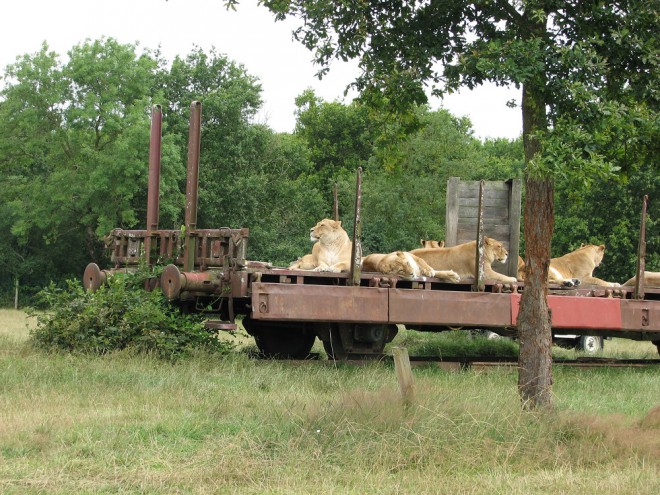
x=15 y=325
x=133 y=424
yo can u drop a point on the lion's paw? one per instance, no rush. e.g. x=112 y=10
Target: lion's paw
x=448 y=275
x=571 y=282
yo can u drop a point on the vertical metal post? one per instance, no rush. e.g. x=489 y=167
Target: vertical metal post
x=192 y=183
x=641 y=253
x=153 y=187
x=479 y=282
x=356 y=250
x=336 y=203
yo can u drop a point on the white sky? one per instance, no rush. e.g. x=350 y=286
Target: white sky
x=249 y=36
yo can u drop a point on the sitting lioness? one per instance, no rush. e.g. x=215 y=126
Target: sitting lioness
x=332 y=248
x=651 y=280
x=578 y=266
x=405 y=265
x=461 y=259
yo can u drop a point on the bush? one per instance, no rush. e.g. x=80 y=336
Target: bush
x=121 y=315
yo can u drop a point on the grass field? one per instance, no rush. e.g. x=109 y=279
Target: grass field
x=132 y=424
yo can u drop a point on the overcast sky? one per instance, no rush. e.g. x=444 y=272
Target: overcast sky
x=249 y=36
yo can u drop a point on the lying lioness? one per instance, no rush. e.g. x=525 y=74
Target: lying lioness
x=578 y=266
x=461 y=259
x=405 y=265
x=651 y=280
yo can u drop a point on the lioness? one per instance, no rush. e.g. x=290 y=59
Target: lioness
x=405 y=265
x=578 y=266
x=426 y=243
x=306 y=262
x=332 y=248
x=461 y=259
x=651 y=280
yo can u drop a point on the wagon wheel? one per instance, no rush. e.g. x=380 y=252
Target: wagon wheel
x=279 y=341
x=334 y=347
x=358 y=340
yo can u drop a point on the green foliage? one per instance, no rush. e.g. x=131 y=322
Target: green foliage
x=73 y=155
x=403 y=203
x=121 y=315
x=609 y=213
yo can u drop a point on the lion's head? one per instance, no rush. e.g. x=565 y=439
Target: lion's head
x=397 y=264
x=495 y=250
x=597 y=252
x=326 y=229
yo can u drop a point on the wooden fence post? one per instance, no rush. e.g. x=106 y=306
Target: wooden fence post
x=404 y=374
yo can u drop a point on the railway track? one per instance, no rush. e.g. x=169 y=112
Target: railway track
x=480 y=362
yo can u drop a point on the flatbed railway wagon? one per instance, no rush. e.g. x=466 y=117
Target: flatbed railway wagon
x=354 y=313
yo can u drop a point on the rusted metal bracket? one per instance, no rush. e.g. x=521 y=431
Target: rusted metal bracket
x=153 y=187
x=356 y=250
x=192 y=181
x=335 y=194
x=641 y=253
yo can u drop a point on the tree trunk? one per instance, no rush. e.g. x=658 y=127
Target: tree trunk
x=534 y=324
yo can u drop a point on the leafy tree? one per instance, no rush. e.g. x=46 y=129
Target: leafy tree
x=73 y=153
x=407 y=202
x=249 y=176
x=340 y=137
x=568 y=56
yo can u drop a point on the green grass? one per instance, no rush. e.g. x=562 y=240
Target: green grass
x=133 y=424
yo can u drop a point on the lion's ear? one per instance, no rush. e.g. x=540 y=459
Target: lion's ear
x=400 y=254
x=602 y=247
x=338 y=223
x=488 y=240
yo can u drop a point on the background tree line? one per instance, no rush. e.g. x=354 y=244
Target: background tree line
x=74 y=136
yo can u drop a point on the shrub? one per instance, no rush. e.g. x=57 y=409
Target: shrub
x=120 y=315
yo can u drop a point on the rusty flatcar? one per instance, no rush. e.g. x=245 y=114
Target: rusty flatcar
x=351 y=313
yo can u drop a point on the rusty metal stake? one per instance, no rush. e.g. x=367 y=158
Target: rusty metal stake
x=336 y=203
x=479 y=282
x=153 y=188
x=192 y=184
x=641 y=253
x=356 y=250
